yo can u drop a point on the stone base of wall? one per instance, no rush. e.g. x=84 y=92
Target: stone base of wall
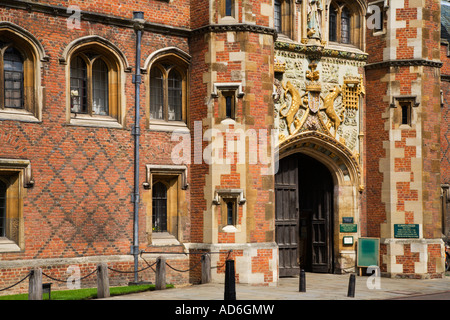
x=413 y=258
x=255 y=263
x=346 y=262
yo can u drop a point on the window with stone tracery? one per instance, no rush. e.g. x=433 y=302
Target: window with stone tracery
x=283 y=17
x=19 y=75
x=167 y=92
x=345 y=23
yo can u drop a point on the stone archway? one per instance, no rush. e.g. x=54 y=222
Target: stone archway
x=345 y=180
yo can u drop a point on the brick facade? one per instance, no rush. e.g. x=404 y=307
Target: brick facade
x=78 y=210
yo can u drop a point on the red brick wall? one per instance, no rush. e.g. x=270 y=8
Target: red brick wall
x=445 y=124
x=81 y=204
x=198 y=111
x=431 y=127
x=174 y=13
x=375 y=135
x=83 y=175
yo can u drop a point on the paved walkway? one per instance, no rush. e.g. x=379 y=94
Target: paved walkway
x=318 y=287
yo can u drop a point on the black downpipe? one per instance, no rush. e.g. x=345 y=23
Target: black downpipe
x=138 y=18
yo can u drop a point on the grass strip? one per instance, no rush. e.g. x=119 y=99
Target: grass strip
x=86 y=294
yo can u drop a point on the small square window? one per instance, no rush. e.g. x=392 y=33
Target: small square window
x=229 y=200
x=227 y=94
x=227 y=9
x=231 y=212
x=406 y=113
x=227 y=105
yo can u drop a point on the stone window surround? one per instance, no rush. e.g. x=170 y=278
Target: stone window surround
x=236 y=196
x=169 y=173
x=35 y=56
x=181 y=60
x=22 y=170
x=118 y=66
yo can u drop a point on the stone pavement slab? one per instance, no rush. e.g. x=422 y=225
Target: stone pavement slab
x=318 y=287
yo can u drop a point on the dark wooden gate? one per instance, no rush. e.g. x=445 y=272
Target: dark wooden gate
x=286 y=221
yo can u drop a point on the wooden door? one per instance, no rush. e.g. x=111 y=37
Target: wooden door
x=286 y=220
x=316 y=215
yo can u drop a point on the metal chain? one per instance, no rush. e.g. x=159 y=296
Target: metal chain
x=119 y=271
x=228 y=255
x=29 y=273
x=195 y=266
x=59 y=280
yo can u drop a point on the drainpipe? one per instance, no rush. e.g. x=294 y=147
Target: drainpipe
x=138 y=20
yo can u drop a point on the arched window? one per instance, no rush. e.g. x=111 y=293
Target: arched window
x=95 y=85
x=345 y=23
x=89 y=85
x=18 y=78
x=283 y=17
x=168 y=90
x=3 y=189
x=19 y=74
x=159 y=207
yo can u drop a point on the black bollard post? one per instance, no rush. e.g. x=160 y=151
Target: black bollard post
x=230 y=281
x=351 y=286
x=302 y=284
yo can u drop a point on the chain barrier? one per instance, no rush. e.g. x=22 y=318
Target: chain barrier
x=121 y=271
x=196 y=265
x=148 y=264
x=29 y=274
x=59 y=280
x=223 y=265
x=190 y=269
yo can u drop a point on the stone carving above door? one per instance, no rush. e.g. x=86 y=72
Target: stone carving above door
x=324 y=97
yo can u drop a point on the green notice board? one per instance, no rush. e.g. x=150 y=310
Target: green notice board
x=368 y=252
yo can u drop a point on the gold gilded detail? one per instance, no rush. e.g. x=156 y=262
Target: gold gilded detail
x=328 y=107
x=296 y=103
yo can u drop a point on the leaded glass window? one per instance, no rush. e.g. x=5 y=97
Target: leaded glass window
x=100 y=87
x=277 y=15
x=78 y=86
x=13 y=78
x=345 y=26
x=159 y=207
x=175 y=95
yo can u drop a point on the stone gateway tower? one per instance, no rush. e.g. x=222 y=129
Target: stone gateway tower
x=232 y=206
x=282 y=134
x=404 y=121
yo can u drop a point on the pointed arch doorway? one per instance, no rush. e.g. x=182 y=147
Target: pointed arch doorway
x=304 y=215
